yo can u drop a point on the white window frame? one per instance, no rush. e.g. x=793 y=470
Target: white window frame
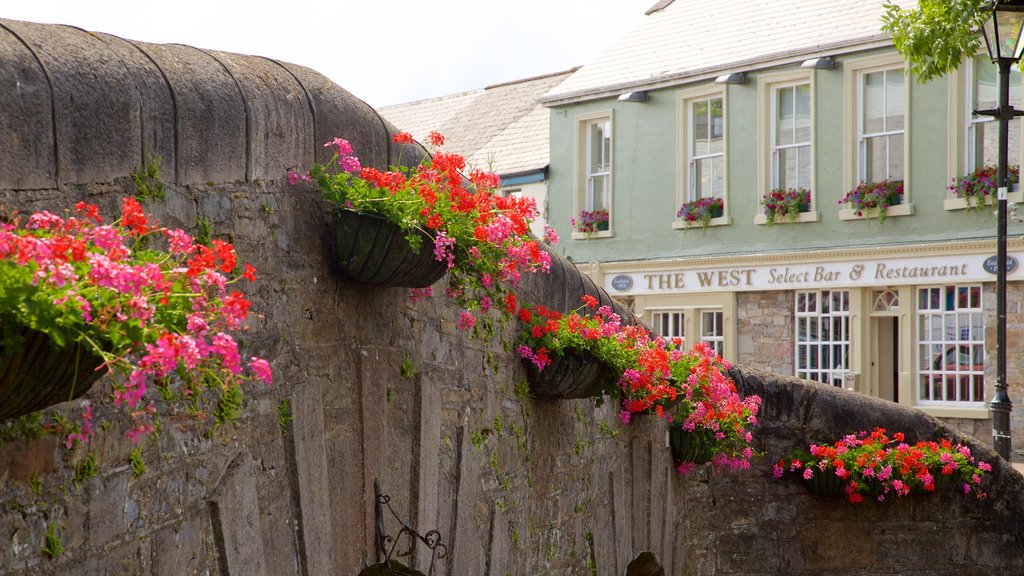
x=715 y=336
x=685 y=173
x=853 y=72
x=767 y=85
x=960 y=159
x=832 y=374
x=691 y=306
x=937 y=344
x=582 y=197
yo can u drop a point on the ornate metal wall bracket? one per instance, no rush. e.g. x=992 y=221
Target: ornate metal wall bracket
x=387 y=544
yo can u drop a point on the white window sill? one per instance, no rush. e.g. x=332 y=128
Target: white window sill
x=972 y=410
x=815 y=216
x=891 y=211
x=592 y=235
x=720 y=221
x=961 y=203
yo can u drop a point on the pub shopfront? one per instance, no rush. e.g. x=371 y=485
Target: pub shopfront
x=911 y=324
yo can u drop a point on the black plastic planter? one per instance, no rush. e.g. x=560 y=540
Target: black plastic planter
x=41 y=374
x=371 y=250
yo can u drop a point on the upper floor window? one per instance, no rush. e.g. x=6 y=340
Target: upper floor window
x=983 y=131
x=707 y=149
x=880 y=137
x=593 y=202
x=598 y=155
x=791 y=137
x=877 y=114
x=785 y=165
x=701 y=156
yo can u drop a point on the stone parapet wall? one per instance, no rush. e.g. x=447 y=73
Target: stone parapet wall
x=515 y=485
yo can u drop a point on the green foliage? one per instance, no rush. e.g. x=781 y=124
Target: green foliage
x=136 y=461
x=147 y=179
x=408 y=370
x=229 y=406
x=36 y=483
x=284 y=415
x=477 y=439
x=85 y=469
x=522 y=389
x=935 y=36
x=499 y=426
x=27 y=427
x=53 y=546
x=204 y=231
x=607 y=429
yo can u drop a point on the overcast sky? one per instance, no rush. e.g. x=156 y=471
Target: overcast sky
x=383 y=51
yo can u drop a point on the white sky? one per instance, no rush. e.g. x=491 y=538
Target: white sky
x=383 y=51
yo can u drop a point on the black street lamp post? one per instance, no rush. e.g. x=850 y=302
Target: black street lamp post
x=1005 y=43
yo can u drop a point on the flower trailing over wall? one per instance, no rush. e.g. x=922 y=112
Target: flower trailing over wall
x=481 y=236
x=786 y=203
x=868 y=196
x=589 y=222
x=978 y=186
x=884 y=467
x=159 y=310
x=701 y=210
x=647 y=374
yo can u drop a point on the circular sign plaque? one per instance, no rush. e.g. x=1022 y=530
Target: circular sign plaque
x=991 y=264
x=622 y=283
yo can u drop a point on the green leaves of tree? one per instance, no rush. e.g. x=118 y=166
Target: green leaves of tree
x=935 y=36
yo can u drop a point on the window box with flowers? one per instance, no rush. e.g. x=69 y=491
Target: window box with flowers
x=786 y=205
x=411 y=226
x=978 y=189
x=578 y=356
x=702 y=212
x=875 y=200
x=879 y=466
x=146 y=305
x=591 y=224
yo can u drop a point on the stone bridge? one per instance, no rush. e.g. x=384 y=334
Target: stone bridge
x=515 y=485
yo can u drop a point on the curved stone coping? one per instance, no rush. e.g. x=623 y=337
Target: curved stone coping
x=79 y=107
x=797 y=412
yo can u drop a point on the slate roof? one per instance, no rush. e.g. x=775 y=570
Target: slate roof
x=501 y=127
x=690 y=40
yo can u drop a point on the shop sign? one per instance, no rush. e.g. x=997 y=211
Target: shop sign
x=798 y=276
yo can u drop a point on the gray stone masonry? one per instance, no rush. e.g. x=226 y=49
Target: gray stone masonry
x=515 y=485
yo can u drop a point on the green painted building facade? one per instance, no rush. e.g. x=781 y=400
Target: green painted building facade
x=901 y=307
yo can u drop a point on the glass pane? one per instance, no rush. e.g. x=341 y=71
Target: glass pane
x=788 y=166
x=874 y=103
x=986 y=83
x=598 y=197
x=803 y=113
x=599 y=147
x=985 y=145
x=875 y=159
x=701 y=132
x=895 y=157
x=894 y=99
x=784 y=116
x=803 y=172
x=717 y=126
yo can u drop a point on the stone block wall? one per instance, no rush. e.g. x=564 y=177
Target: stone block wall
x=515 y=485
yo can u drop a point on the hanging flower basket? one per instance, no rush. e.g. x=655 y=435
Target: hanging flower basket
x=572 y=375
x=370 y=249
x=696 y=446
x=42 y=374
